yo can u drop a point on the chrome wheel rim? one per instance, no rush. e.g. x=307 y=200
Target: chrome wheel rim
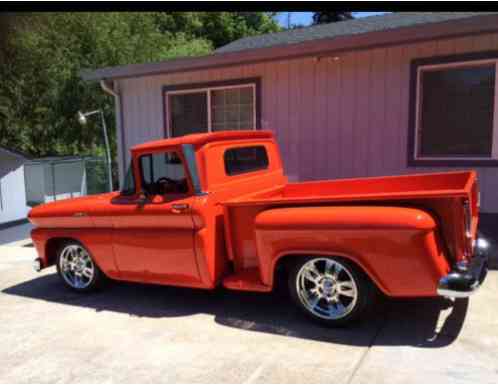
x=326 y=288
x=76 y=266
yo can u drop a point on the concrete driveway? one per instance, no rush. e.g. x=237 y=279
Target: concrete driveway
x=144 y=333
x=18 y=235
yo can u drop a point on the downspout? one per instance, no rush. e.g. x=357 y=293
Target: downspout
x=109 y=89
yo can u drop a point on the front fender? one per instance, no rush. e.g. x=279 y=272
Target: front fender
x=97 y=241
x=396 y=246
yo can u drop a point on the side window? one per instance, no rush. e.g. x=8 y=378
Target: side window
x=212 y=107
x=245 y=159
x=163 y=173
x=456 y=107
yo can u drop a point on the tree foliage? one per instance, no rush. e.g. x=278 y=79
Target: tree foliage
x=42 y=55
x=219 y=28
x=330 y=17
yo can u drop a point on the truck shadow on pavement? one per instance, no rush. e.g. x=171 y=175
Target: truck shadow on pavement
x=428 y=323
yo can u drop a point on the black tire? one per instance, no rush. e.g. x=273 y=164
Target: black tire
x=357 y=308
x=97 y=279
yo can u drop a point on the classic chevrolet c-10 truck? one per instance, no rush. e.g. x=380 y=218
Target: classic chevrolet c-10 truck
x=215 y=209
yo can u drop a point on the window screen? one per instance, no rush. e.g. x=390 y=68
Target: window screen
x=188 y=113
x=232 y=109
x=245 y=159
x=456 y=112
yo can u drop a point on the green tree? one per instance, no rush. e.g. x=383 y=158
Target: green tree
x=330 y=17
x=219 y=28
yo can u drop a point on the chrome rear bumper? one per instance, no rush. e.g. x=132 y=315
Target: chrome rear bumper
x=465 y=280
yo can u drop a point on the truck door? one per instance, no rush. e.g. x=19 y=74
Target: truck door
x=153 y=233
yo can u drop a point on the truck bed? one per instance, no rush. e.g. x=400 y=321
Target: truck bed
x=442 y=194
x=414 y=186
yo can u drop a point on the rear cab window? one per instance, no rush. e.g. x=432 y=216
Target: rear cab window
x=241 y=160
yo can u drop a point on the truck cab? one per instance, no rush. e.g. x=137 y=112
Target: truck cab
x=175 y=190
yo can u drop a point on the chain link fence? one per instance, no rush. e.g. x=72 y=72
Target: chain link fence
x=53 y=179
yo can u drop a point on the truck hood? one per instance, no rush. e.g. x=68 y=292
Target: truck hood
x=78 y=209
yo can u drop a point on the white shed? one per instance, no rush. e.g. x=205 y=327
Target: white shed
x=13 y=207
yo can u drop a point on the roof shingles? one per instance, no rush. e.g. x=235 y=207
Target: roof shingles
x=344 y=28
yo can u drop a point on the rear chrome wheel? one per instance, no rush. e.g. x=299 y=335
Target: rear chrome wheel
x=326 y=288
x=77 y=268
x=330 y=289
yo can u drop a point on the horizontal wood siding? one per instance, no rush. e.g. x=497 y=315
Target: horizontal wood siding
x=334 y=117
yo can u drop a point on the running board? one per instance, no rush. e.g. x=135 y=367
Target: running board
x=246 y=280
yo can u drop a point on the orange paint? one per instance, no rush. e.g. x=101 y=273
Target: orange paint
x=405 y=232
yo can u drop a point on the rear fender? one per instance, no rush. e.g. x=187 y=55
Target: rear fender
x=396 y=247
x=295 y=254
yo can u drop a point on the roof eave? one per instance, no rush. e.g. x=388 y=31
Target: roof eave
x=412 y=34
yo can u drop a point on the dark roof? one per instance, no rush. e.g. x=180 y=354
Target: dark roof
x=14 y=153
x=387 y=29
x=64 y=158
x=345 y=28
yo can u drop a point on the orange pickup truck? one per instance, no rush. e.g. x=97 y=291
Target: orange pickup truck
x=217 y=209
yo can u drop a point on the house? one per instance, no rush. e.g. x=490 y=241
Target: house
x=391 y=94
x=13 y=207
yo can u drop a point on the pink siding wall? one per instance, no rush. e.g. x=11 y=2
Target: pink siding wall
x=336 y=117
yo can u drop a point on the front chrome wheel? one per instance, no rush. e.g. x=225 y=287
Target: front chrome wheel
x=76 y=266
x=326 y=288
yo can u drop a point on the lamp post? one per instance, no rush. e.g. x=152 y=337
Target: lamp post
x=82 y=118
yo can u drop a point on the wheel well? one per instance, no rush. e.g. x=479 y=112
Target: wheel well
x=284 y=263
x=51 y=248
x=281 y=270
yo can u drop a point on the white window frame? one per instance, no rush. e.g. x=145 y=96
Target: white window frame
x=418 y=109
x=208 y=98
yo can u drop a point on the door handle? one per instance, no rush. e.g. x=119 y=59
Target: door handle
x=179 y=207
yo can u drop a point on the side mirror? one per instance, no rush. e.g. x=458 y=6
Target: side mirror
x=142 y=198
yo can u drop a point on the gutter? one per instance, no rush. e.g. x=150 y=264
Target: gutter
x=109 y=89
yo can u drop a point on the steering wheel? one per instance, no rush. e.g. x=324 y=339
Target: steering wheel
x=163 y=180
x=166 y=179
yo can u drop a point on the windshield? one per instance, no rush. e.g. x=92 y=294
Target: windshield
x=129 y=182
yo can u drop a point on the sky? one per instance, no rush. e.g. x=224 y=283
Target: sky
x=304 y=18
